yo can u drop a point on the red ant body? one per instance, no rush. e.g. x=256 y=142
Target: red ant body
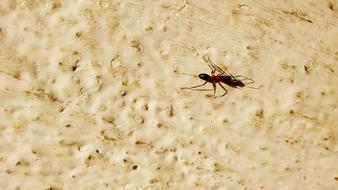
x=224 y=77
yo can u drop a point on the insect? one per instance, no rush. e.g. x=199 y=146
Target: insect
x=223 y=76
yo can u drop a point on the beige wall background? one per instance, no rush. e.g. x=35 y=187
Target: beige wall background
x=90 y=94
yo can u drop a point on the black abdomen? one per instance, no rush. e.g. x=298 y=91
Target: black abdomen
x=233 y=83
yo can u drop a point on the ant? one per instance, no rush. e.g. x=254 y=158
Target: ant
x=224 y=77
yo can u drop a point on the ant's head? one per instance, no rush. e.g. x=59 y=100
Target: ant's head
x=204 y=76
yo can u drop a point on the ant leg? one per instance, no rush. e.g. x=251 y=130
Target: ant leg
x=210 y=64
x=251 y=81
x=206 y=58
x=194 y=86
x=214 y=87
x=226 y=92
x=245 y=78
x=248 y=82
x=213 y=70
x=260 y=86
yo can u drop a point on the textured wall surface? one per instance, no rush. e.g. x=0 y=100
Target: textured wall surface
x=91 y=98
